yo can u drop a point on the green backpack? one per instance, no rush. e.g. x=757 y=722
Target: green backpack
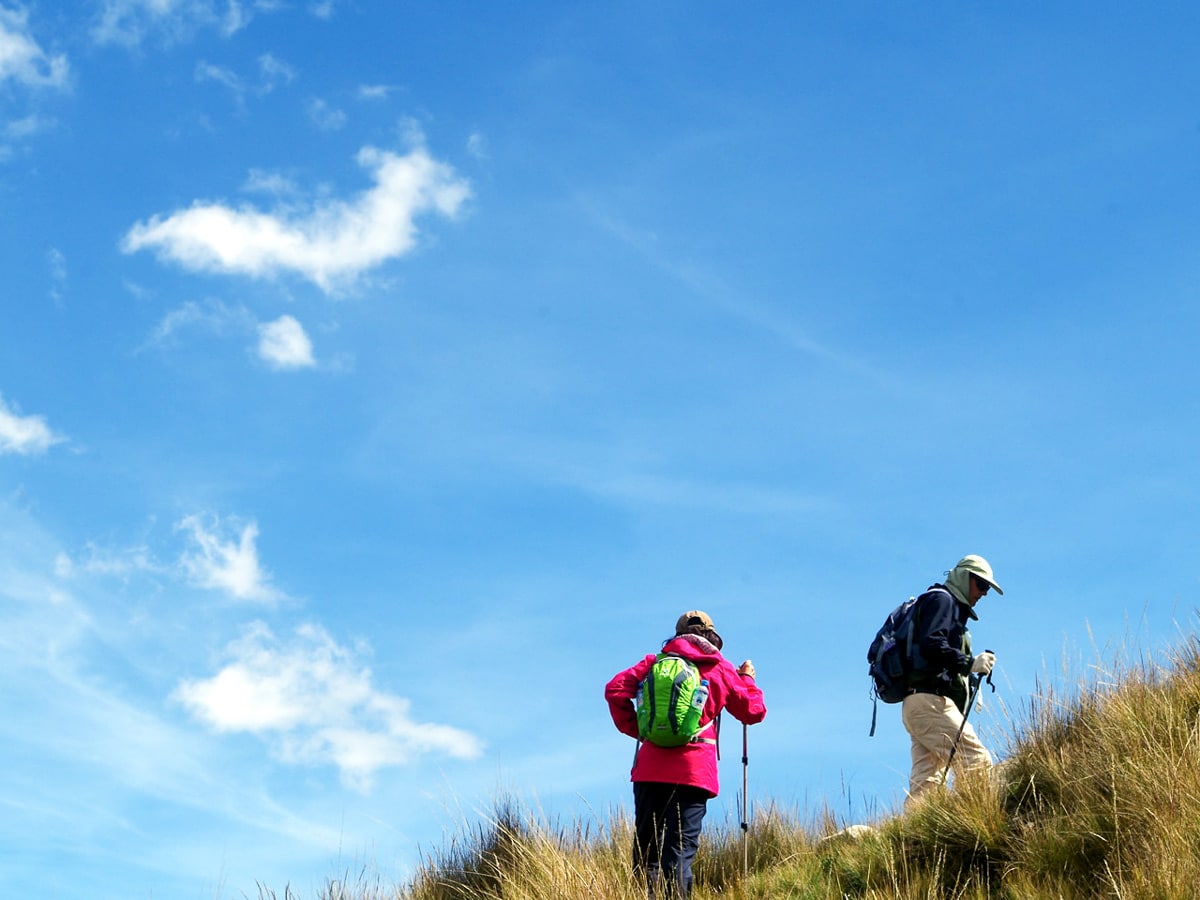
x=670 y=702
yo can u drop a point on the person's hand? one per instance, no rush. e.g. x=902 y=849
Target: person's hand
x=982 y=664
x=746 y=668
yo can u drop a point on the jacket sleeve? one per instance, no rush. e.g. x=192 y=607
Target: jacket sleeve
x=620 y=691
x=743 y=698
x=937 y=621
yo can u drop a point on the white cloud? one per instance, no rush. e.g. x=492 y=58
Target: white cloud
x=329 y=244
x=211 y=316
x=324 y=116
x=284 y=345
x=322 y=9
x=409 y=131
x=221 y=75
x=276 y=183
x=477 y=145
x=27 y=127
x=274 y=72
x=229 y=565
x=58 y=274
x=22 y=59
x=85 y=680
x=315 y=702
x=24 y=434
x=129 y=22
x=95 y=560
x=374 y=92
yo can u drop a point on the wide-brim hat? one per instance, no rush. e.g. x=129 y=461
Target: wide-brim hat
x=981 y=568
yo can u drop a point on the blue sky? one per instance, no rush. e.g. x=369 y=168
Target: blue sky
x=376 y=380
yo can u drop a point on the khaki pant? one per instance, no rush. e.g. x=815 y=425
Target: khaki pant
x=933 y=722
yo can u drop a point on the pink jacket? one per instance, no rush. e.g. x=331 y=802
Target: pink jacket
x=693 y=764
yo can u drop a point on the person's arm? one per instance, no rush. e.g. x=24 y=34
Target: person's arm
x=620 y=691
x=744 y=699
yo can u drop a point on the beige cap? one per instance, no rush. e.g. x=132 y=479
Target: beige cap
x=979 y=567
x=695 y=617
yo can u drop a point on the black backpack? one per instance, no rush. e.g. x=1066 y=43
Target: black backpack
x=892 y=657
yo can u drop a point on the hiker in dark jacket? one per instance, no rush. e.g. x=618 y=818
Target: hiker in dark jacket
x=672 y=785
x=936 y=706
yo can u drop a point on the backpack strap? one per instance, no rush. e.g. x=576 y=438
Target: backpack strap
x=917 y=661
x=714 y=724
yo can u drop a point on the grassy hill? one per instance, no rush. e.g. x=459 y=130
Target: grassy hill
x=1099 y=797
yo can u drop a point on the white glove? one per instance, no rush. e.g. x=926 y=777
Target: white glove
x=982 y=664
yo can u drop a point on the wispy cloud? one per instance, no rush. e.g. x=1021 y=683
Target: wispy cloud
x=76 y=654
x=27 y=127
x=211 y=316
x=22 y=59
x=322 y=9
x=374 y=91
x=733 y=497
x=314 y=701
x=324 y=116
x=273 y=72
x=329 y=243
x=221 y=75
x=283 y=344
x=219 y=560
x=477 y=145
x=120 y=563
x=25 y=435
x=709 y=285
x=275 y=183
x=58 y=274
x=129 y=22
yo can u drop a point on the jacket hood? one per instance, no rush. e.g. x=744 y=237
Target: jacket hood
x=693 y=647
x=958 y=582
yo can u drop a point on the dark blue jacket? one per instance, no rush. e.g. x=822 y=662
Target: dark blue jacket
x=943 y=645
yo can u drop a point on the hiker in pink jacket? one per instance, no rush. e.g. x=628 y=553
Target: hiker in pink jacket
x=672 y=785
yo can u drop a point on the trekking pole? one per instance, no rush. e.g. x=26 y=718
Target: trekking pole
x=977 y=683
x=745 y=801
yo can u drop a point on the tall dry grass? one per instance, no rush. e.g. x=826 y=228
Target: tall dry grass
x=1099 y=797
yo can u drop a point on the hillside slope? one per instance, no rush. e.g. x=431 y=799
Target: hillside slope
x=1099 y=797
